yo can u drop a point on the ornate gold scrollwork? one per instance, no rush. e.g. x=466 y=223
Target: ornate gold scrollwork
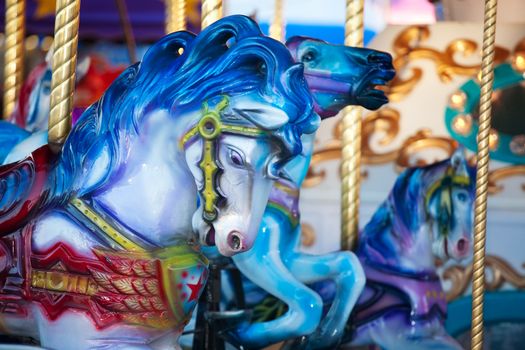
x=407 y=48
x=500 y=272
x=384 y=122
x=382 y=127
x=307 y=235
x=500 y=174
x=423 y=140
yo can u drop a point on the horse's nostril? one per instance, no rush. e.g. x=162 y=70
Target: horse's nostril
x=379 y=57
x=235 y=241
x=462 y=244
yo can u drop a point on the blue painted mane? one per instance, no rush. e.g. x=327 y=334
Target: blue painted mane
x=404 y=211
x=229 y=57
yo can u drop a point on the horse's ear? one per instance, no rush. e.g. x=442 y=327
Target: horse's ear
x=459 y=162
x=458 y=156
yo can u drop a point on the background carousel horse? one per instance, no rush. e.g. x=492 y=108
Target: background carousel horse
x=93 y=76
x=337 y=76
x=427 y=215
x=100 y=245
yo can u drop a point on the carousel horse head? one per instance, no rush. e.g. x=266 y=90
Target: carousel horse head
x=427 y=214
x=200 y=128
x=449 y=203
x=93 y=76
x=339 y=75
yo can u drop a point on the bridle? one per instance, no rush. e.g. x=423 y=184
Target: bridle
x=209 y=128
x=445 y=185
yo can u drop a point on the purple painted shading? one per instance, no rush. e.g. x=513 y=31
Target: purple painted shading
x=423 y=291
x=75 y=115
x=286 y=196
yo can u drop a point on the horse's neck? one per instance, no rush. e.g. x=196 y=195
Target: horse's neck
x=153 y=192
x=297 y=168
x=389 y=243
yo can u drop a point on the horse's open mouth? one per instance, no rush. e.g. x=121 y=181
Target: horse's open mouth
x=375 y=89
x=372 y=93
x=210 y=236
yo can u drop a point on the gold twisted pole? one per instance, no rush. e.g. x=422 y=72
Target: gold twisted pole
x=482 y=174
x=211 y=11
x=277 y=28
x=351 y=139
x=14 y=52
x=64 y=65
x=175 y=15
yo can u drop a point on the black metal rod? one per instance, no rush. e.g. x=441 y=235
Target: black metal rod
x=128 y=30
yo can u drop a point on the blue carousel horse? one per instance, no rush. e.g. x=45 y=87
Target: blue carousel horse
x=100 y=245
x=337 y=76
x=427 y=215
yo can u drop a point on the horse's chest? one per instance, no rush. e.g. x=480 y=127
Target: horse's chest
x=60 y=268
x=386 y=292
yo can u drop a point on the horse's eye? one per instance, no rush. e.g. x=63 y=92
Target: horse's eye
x=309 y=56
x=236 y=158
x=462 y=196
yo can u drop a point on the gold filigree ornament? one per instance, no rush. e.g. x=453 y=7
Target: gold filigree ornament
x=408 y=48
x=500 y=272
x=380 y=127
x=423 y=141
x=498 y=175
x=382 y=124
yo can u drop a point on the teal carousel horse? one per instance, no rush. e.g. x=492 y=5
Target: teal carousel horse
x=338 y=76
x=100 y=244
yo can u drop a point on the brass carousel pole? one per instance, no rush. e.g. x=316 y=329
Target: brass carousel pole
x=175 y=15
x=480 y=210
x=277 y=28
x=13 y=52
x=351 y=139
x=64 y=65
x=211 y=11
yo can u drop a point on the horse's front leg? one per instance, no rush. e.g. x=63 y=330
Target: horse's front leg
x=345 y=270
x=263 y=265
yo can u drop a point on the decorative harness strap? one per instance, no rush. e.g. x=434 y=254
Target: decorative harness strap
x=127 y=282
x=445 y=185
x=210 y=127
x=115 y=235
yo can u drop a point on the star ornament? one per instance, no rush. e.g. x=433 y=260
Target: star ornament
x=195 y=289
